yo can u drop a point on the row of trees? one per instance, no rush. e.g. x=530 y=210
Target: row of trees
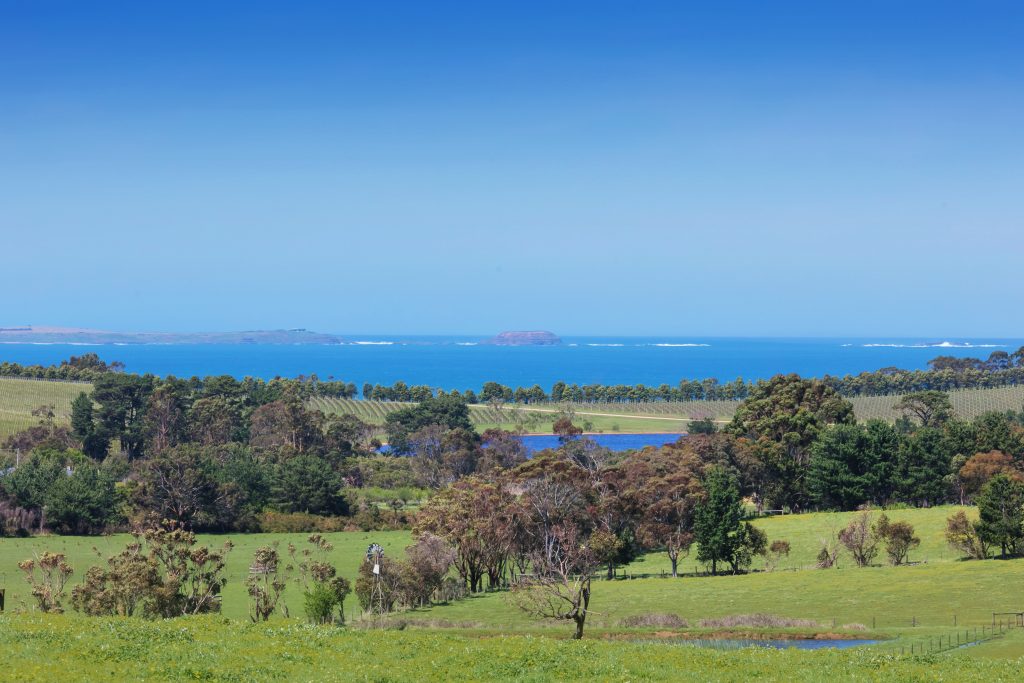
x=945 y=374
x=90 y=367
x=84 y=368
x=217 y=460
x=143 y=414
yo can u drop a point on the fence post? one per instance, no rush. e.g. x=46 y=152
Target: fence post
x=954 y=620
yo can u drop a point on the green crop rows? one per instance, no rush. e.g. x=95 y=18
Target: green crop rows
x=19 y=397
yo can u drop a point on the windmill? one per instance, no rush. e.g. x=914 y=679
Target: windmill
x=375 y=556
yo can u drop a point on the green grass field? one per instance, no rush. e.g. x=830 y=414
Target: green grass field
x=930 y=592
x=804 y=532
x=69 y=648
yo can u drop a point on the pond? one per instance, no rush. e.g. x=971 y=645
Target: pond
x=615 y=442
x=797 y=643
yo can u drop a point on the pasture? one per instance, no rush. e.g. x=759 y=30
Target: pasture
x=804 y=532
x=910 y=602
x=211 y=649
x=70 y=648
x=485 y=637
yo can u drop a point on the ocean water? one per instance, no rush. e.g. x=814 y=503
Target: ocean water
x=463 y=363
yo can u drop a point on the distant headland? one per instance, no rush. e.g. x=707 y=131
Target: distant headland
x=32 y=334
x=528 y=338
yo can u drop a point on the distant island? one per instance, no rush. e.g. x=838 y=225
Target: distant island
x=528 y=338
x=69 y=335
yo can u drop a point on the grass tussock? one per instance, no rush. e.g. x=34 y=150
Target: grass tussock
x=401 y=623
x=654 y=620
x=757 y=621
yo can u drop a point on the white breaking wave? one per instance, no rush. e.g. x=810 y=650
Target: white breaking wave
x=61 y=343
x=373 y=343
x=605 y=344
x=666 y=344
x=940 y=345
x=465 y=343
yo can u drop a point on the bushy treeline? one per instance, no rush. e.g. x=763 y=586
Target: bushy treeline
x=210 y=454
x=227 y=454
x=800 y=447
x=944 y=374
x=84 y=368
x=90 y=367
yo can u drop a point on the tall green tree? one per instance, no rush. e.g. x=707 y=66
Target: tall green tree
x=449 y=412
x=83 y=502
x=853 y=464
x=28 y=485
x=95 y=443
x=164 y=424
x=783 y=417
x=1001 y=512
x=122 y=406
x=923 y=465
x=309 y=483
x=931 y=408
x=717 y=519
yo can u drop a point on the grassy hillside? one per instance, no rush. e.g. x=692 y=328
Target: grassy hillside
x=487 y=637
x=19 y=397
x=892 y=598
x=975 y=588
x=806 y=531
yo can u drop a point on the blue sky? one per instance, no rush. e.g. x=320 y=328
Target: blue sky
x=638 y=168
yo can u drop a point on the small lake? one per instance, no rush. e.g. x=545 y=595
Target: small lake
x=797 y=643
x=615 y=442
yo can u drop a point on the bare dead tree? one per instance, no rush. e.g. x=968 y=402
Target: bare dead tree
x=560 y=588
